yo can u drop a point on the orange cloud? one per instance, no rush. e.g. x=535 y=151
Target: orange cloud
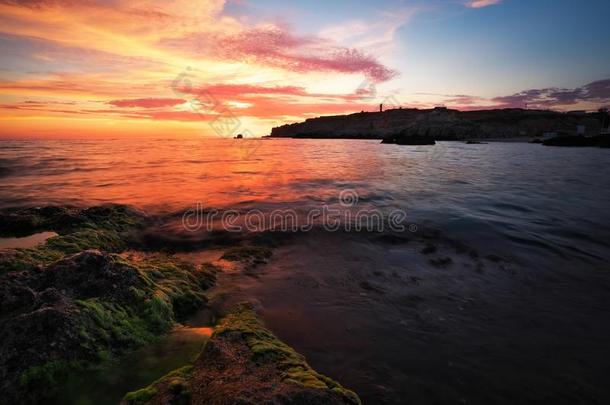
x=147 y=102
x=74 y=57
x=277 y=46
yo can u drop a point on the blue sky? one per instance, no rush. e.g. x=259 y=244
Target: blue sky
x=445 y=47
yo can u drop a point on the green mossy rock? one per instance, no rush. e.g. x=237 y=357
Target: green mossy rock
x=244 y=363
x=70 y=304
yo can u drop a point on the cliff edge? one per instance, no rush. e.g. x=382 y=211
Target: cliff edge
x=443 y=124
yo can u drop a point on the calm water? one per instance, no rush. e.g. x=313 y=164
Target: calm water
x=523 y=319
x=534 y=200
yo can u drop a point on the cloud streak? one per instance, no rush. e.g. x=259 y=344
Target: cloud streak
x=279 y=47
x=595 y=92
x=147 y=102
x=481 y=3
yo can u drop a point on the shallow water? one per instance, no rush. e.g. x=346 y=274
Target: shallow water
x=518 y=314
x=108 y=383
x=26 y=241
x=537 y=204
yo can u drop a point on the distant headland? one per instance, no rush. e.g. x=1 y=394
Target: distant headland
x=441 y=123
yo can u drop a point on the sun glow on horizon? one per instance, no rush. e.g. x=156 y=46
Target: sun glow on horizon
x=107 y=69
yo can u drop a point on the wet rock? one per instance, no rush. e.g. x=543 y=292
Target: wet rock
x=408 y=138
x=599 y=141
x=15 y=297
x=92 y=274
x=494 y=258
x=441 y=262
x=107 y=228
x=429 y=249
x=250 y=256
x=365 y=285
x=66 y=220
x=76 y=311
x=244 y=363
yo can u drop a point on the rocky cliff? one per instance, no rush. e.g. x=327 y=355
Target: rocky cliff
x=442 y=124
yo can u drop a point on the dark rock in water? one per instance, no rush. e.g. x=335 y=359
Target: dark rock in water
x=250 y=256
x=537 y=140
x=409 y=138
x=441 y=262
x=239 y=136
x=63 y=220
x=474 y=143
x=602 y=141
x=244 y=363
x=92 y=274
x=429 y=249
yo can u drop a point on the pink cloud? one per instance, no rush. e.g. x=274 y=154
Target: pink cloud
x=233 y=90
x=147 y=102
x=594 y=92
x=154 y=115
x=279 y=47
x=481 y=3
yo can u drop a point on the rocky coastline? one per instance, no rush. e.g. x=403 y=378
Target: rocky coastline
x=443 y=124
x=601 y=141
x=83 y=298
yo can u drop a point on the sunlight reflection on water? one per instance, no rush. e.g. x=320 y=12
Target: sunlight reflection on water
x=496 y=193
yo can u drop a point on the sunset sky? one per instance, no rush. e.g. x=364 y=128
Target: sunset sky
x=112 y=68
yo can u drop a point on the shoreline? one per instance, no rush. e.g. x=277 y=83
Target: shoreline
x=375 y=311
x=133 y=299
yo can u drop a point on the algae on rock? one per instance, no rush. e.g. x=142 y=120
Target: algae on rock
x=245 y=363
x=69 y=304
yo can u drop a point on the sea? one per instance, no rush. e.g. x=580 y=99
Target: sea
x=453 y=273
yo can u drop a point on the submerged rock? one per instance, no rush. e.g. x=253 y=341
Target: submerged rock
x=404 y=138
x=244 y=363
x=19 y=222
x=599 y=141
x=248 y=256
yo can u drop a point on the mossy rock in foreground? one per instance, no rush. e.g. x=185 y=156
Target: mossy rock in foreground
x=106 y=227
x=244 y=363
x=83 y=309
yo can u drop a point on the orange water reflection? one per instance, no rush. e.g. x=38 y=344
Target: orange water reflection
x=173 y=174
